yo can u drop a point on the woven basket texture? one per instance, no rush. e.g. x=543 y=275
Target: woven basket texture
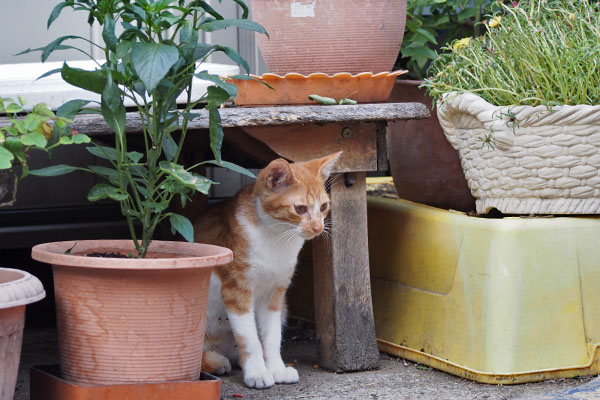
x=526 y=160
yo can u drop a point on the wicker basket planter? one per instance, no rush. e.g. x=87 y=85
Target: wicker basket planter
x=526 y=160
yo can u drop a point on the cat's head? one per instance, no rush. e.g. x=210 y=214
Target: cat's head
x=295 y=193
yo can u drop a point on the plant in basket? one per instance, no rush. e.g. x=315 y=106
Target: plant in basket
x=152 y=54
x=519 y=103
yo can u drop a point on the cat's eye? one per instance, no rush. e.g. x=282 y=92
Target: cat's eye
x=324 y=207
x=300 y=209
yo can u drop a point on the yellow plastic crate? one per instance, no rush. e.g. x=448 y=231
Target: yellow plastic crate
x=498 y=301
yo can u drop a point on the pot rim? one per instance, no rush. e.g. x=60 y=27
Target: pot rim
x=183 y=255
x=24 y=289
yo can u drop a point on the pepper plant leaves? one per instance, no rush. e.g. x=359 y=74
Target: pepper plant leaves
x=103 y=191
x=94 y=81
x=108 y=33
x=233 y=167
x=183 y=226
x=228 y=87
x=55 y=170
x=112 y=108
x=56 y=11
x=186 y=178
x=71 y=108
x=152 y=61
x=234 y=56
x=216 y=133
x=188 y=37
x=212 y=26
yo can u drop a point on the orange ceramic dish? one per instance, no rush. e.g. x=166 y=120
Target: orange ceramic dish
x=295 y=88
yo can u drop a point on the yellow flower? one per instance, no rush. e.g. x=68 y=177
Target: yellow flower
x=571 y=17
x=495 y=21
x=459 y=44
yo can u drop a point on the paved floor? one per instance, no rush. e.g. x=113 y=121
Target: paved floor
x=396 y=379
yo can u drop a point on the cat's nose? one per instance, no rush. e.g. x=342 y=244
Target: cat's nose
x=317 y=228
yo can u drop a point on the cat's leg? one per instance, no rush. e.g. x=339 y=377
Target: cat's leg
x=218 y=339
x=240 y=311
x=256 y=374
x=269 y=316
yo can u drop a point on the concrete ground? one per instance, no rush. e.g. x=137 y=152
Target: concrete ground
x=396 y=379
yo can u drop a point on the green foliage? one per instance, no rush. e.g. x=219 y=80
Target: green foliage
x=151 y=63
x=539 y=52
x=431 y=24
x=40 y=129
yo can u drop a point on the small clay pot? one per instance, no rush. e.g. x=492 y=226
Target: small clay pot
x=17 y=289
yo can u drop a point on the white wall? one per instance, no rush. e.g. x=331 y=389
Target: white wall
x=23 y=25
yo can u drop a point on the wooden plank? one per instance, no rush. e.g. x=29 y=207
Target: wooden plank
x=306 y=142
x=382 y=158
x=343 y=311
x=267 y=116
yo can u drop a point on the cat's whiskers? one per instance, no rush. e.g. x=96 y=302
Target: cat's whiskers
x=286 y=237
x=333 y=181
x=328 y=226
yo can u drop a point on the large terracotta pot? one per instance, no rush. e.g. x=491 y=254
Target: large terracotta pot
x=17 y=289
x=425 y=167
x=330 y=36
x=124 y=320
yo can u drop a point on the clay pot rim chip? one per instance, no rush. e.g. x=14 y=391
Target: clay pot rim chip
x=180 y=255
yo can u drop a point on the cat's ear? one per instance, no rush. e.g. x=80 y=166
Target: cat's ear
x=278 y=175
x=327 y=164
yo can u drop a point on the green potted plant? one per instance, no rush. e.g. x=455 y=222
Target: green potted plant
x=426 y=169
x=154 y=292
x=40 y=129
x=520 y=104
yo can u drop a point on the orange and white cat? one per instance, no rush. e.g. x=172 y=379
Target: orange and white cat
x=265 y=225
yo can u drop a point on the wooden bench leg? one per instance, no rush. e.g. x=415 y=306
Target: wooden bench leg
x=343 y=309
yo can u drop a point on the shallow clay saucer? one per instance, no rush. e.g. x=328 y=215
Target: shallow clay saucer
x=293 y=88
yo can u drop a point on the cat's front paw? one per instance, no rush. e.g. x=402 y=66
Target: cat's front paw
x=215 y=363
x=285 y=375
x=262 y=379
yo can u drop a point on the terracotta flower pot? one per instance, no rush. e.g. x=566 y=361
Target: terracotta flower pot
x=124 y=320
x=17 y=289
x=425 y=167
x=330 y=36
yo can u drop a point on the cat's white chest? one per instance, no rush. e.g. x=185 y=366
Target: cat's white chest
x=273 y=251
